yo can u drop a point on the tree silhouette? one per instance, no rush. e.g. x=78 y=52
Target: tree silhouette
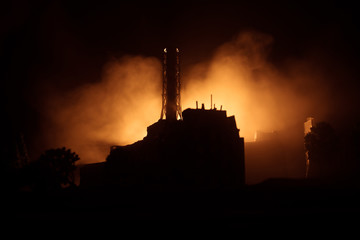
x=54 y=169
x=322 y=145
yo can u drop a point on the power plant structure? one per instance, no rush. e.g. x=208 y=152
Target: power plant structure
x=191 y=149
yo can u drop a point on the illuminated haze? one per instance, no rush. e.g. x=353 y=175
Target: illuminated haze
x=118 y=109
x=247 y=85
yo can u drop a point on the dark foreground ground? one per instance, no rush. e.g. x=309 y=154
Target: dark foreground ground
x=276 y=203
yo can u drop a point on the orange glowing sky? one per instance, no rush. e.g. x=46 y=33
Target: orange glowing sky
x=118 y=109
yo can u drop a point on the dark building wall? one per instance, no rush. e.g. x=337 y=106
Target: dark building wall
x=280 y=155
x=202 y=151
x=92 y=174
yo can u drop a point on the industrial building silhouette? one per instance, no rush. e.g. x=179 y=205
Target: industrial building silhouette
x=194 y=149
x=202 y=151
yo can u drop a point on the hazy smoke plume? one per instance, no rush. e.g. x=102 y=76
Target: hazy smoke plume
x=118 y=109
x=247 y=85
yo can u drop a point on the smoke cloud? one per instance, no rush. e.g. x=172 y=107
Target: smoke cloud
x=118 y=109
x=247 y=85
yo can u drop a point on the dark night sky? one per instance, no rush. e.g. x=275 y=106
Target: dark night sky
x=64 y=44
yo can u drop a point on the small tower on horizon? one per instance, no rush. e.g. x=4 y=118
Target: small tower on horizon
x=171 y=107
x=310 y=122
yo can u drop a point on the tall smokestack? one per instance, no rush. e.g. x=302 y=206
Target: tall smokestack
x=171 y=108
